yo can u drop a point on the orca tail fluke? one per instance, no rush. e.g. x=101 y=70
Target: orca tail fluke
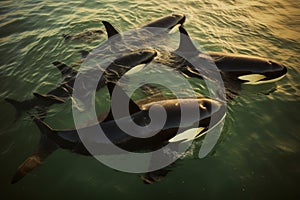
x=18 y=105
x=28 y=165
x=45 y=147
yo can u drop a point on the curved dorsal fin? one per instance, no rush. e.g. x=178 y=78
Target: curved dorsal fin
x=186 y=44
x=111 y=31
x=133 y=107
x=63 y=68
x=84 y=53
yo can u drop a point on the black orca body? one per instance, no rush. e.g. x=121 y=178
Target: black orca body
x=249 y=69
x=65 y=89
x=234 y=69
x=52 y=139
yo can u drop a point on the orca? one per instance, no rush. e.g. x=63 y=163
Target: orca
x=249 y=69
x=52 y=139
x=235 y=69
x=65 y=89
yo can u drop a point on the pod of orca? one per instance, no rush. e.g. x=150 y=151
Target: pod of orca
x=235 y=70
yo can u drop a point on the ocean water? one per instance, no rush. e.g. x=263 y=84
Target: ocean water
x=258 y=155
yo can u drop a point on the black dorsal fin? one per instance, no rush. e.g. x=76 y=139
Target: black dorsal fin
x=63 y=68
x=133 y=107
x=84 y=53
x=186 y=45
x=67 y=36
x=111 y=31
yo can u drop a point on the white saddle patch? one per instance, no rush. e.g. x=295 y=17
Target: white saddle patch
x=186 y=135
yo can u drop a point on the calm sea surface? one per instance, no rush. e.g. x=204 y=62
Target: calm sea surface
x=258 y=155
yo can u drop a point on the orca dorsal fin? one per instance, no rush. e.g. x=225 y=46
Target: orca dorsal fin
x=186 y=45
x=133 y=107
x=63 y=68
x=111 y=31
x=84 y=53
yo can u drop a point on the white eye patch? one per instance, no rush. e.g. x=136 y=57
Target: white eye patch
x=135 y=69
x=254 y=79
x=186 y=135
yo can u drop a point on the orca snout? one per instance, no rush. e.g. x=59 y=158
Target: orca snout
x=180 y=18
x=268 y=71
x=279 y=69
x=210 y=105
x=276 y=72
x=168 y=22
x=215 y=111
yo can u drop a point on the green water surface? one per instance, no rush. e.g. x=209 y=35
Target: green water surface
x=257 y=156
